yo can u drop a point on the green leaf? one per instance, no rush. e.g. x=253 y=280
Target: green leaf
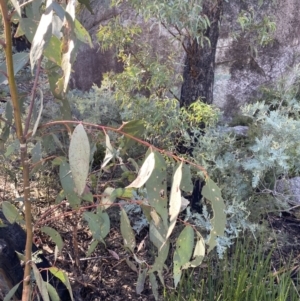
x=99 y=224
x=175 y=199
x=135 y=128
x=36 y=153
x=140 y=284
x=127 y=232
x=154 y=285
x=186 y=180
x=28 y=27
x=59 y=160
x=60 y=12
x=157 y=234
x=107 y=199
x=82 y=34
x=12 y=147
x=40 y=283
x=68 y=184
x=199 y=253
x=213 y=193
x=33 y=11
x=9 y=112
x=52 y=292
x=62 y=276
x=11 y=212
x=19 y=61
x=52 y=51
x=92 y=248
x=161 y=258
x=88 y=197
x=11 y=293
x=55 y=236
x=145 y=172
x=122 y=192
x=183 y=252
x=157 y=189
x=42 y=35
x=79 y=156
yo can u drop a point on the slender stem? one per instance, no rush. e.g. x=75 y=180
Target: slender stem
x=23 y=146
x=119 y=131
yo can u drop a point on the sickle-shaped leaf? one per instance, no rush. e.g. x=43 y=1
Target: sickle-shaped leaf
x=109 y=152
x=40 y=283
x=52 y=292
x=175 y=199
x=68 y=44
x=213 y=193
x=127 y=232
x=140 y=284
x=42 y=35
x=145 y=172
x=79 y=157
x=64 y=279
x=12 y=292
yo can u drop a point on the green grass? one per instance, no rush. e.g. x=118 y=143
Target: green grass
x=245 y=274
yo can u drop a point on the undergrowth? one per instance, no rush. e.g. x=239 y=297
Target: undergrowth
x=246 y=273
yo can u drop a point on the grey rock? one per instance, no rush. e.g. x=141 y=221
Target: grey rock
x=238 y=130
x=289 y=190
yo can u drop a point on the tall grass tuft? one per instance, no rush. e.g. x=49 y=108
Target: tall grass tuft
x=245 y=274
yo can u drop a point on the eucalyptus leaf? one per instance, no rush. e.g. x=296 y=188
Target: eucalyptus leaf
x=140 y=284
x=213 y=193
x=42 y=35
x=19 y=61
x=55 y=236
x=64 y=279
x=11 y=293
x=52 y=292
x=183 y=252
x=109 y=153
x=40 y=283
x=145 y=172
x=175 y=199
x=10 y=212
x=127 y=232
x=99 y=224
x=68 y=184
x=79 y=156
x=92 y=248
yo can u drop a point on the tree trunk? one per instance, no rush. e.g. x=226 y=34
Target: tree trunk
x=198 y=73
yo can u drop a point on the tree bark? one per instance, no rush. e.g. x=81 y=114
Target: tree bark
x=198 y=73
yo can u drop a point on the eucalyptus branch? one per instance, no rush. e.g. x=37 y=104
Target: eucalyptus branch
x=119 y=131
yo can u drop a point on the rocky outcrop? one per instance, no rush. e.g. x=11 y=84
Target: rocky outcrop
x=240 y=74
